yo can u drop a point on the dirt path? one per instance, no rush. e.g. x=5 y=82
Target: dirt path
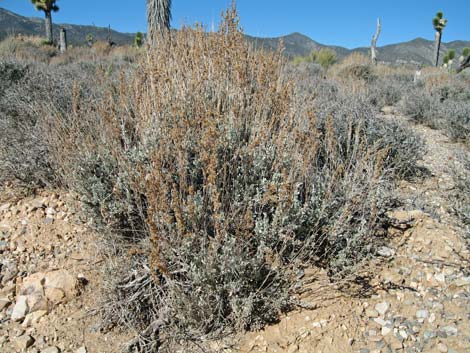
x=415 y=298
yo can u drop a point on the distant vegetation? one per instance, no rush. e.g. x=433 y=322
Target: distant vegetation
x=324 y=57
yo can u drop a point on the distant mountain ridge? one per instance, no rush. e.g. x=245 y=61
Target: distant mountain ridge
x=418 y=50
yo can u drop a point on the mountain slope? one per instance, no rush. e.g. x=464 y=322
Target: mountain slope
x=11 y=23
x=418 y=50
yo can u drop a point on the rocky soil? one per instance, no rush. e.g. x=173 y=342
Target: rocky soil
x=50 y=271
x=414 y=298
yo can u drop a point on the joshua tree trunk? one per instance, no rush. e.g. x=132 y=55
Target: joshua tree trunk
x=438 y=47
x=63 y=40
x=373 y=47
x=49 y=26
x=158 y=18
x=464 y=64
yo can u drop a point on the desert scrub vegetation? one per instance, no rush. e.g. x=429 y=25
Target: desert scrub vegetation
x=216 y=178
x=32 y=85
x=442 y=102
x=214 y=171
x=461 y=174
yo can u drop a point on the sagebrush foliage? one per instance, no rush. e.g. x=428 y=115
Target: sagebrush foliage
x=444 y=106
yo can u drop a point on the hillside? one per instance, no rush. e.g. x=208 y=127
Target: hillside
x=11 y=23
x=418 y=50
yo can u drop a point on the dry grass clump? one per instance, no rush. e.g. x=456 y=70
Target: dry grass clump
x=355 y=66
x=24 y=48
x=223 y=181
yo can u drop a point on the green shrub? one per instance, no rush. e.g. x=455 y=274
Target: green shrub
x=326 y=57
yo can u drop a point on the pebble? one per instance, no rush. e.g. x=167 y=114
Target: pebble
x=422 y=314
x=4 y=303
x=22 y=343
x=440 y=277
x=450 y=330
x=81 y=350
x=441 y=347
x=382 y=322
x=385 y=330
x=51 y=350
x=463 y=281
x=385 y=251
x=21 y=308
x=292 y=349
x=371 y=313
x=382 y=308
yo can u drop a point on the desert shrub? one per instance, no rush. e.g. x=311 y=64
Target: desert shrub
x=389 y=90
x=444 y=107
x=404 y=147
x=326 y=57
x=224 y=179
x=26 y=48
x=357 y=72
x=416 y=105
x=24 y=150
x=461 y=198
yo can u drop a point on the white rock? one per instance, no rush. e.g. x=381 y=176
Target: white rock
x=385 y=251
x=81 y=350
x=441 y=347
x=463 y=281
x=422 y=314
x=382 y=308
x=33 y=318
x=21 y=308
x=386 y=330
x=5 y=207
x=50 y=350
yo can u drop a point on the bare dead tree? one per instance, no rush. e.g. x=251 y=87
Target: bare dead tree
x=63 y=40
x=373 y=46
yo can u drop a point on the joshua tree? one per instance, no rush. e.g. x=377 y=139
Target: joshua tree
x=464 y=59
x=158 y=18
x=449 y=57
x=439 y=23
x=373 y=46
x=139 y=39
x=48 y=6
x=90 y=39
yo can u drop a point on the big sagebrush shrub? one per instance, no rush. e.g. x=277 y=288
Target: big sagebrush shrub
x=225 y=183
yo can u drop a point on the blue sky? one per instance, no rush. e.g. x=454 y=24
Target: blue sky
x=347 y=23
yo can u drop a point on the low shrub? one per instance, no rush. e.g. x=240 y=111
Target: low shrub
x=461 y=198
x=26 y=91
x=389 y=90
x=445 y=107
